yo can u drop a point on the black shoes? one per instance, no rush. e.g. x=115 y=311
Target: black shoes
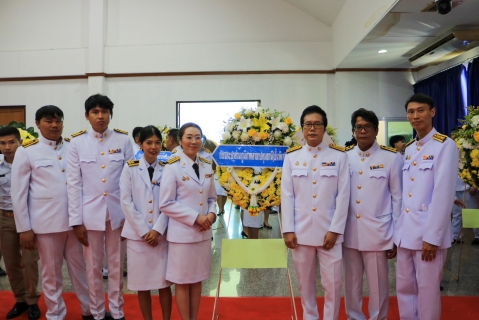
x=18 y=309
x=458 y=241
x=475 y=242
x=125 y=274
x=221 y=213
x=3 y=273
x=34 y=312
x=267 y=226
x=244 y=235
x=88 y=317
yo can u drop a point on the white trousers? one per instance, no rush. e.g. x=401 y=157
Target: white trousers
x=305 y=260
x=110 y=240
x=375 y=264
x=417 y=285
x=53 y=248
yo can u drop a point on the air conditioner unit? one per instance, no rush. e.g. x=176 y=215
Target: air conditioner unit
x=447 y=46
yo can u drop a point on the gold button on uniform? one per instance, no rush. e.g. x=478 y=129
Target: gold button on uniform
x=314 y=209
x=414 y=163
x=101 y=140
x=103 y=166
x=102 y=153
x=360 y=172
x=150 y=211
x=201 y=203
x=104 y=194
x=150 y=221
x=315 y=155
x=358 y=202
x=314 y=182
x=412 y=178
x=407 y=209
x=63 y=170
x=314 y=196
x=410 y=195
x=103 y=180
x=314 y=169
x=66 y=182
x=418 y=149
x=201 y=191
x=362 y=159
x=359 y=187
x=358 y=216
x=59 y=158
x=150 y=201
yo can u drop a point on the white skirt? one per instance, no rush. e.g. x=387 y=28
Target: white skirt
x=219 y=189
x=188 y=262
x=147 y=265
x=252 y=221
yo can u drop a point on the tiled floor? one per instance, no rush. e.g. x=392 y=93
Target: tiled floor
x=274 y=282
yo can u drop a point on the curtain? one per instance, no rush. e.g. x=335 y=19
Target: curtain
x=473 y=83
x=445 y=89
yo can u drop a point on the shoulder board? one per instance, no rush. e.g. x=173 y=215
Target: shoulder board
x=439 y=137
x=78 y=133
x=133 y=163
x=120 y=131
x=207 y=150
x=67 y=139
x=336 y=147
x=410 y=142
x=30 y=143
x=173 y=160
x=389 y=149
x=205 y=160
x=162 y=163
x=351 y=147
x=293 y=149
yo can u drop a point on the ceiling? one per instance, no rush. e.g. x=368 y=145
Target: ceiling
x=325 y=11
x=405 y=29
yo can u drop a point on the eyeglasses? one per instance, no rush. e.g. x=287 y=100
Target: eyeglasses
x=317 y=125
x=367 y=128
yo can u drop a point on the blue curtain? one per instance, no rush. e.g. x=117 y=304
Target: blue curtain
x=473 y=83
x=445 y=89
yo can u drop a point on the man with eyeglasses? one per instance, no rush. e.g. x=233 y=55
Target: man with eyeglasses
x=423 y=230
x=314 y=201
x=374 y=206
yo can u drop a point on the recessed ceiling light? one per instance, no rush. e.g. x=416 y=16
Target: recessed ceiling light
x=382 y=51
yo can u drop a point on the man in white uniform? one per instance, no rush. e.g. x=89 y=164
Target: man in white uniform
x=374 y=206
x=314 y=200
x=39 y=196
x=95 y=162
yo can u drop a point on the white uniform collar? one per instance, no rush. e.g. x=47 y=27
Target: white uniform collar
x=50 y=143
x=368 y=152
x=97 y=135
x=428 y=137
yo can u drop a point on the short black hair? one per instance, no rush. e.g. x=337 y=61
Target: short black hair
x=189 y=125
x=136 y=132
x=367 y=115
x=10 y=131
x=48 y=112
x=314 y=109
x=421 y=98
x=98 y=100
x=148 y=132
x=395 y=139
x=174 y=133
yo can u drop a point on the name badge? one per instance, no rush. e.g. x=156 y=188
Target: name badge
x=378 y=166
x=427 y=157
x=329 y=164
x=112 y=151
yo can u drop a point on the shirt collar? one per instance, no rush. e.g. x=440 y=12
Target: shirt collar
x=427 y=138
x=97 y=135
x=189 y=161
x=369 y=152
x=50 y=143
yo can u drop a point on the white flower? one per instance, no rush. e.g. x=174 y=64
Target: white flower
x=257 y=137
x=461 y=165
x=467 y=145
x=244 y=137
x=244 y=124
x=259 y=109
x=275 y=122
x=475 y=121
x=277 y=134
x=284 y=127
x=288 y=141
x=226 y=135
x=236 y=135
x=230 y=126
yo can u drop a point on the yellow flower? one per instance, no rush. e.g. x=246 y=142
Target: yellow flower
x=261 y=122
x=264 y=135
x=464 y=126
x=475 y=158
x=251 y=132
x=288 y=121
x=476 y=136
x=237 y=115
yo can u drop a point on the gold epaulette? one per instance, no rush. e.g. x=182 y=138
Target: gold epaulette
x=439 y=137
x=162 y=163
x=293 y=149
x=30 y=143
x=173 y=160
x=336 y=147
x=207 y=150
x=389 y=149
x=205 y=160
x=133 y=163
x=78 y=133
x=410 y=142
x=67 y=139
x=351 y=147
x=120 y=131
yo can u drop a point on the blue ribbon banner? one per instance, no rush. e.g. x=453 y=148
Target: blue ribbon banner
x=229 y=155
x=163 y=156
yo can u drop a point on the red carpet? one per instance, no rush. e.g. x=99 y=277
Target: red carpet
x=248 y=308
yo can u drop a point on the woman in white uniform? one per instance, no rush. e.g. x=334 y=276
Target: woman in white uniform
x=145 y=226
x=187 y=197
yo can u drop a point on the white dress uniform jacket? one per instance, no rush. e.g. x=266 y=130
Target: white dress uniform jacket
x=101 y=157
x=315 y=193
x=38 y=190
x=184 y=196
x=140 y=200
x=375 y=202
